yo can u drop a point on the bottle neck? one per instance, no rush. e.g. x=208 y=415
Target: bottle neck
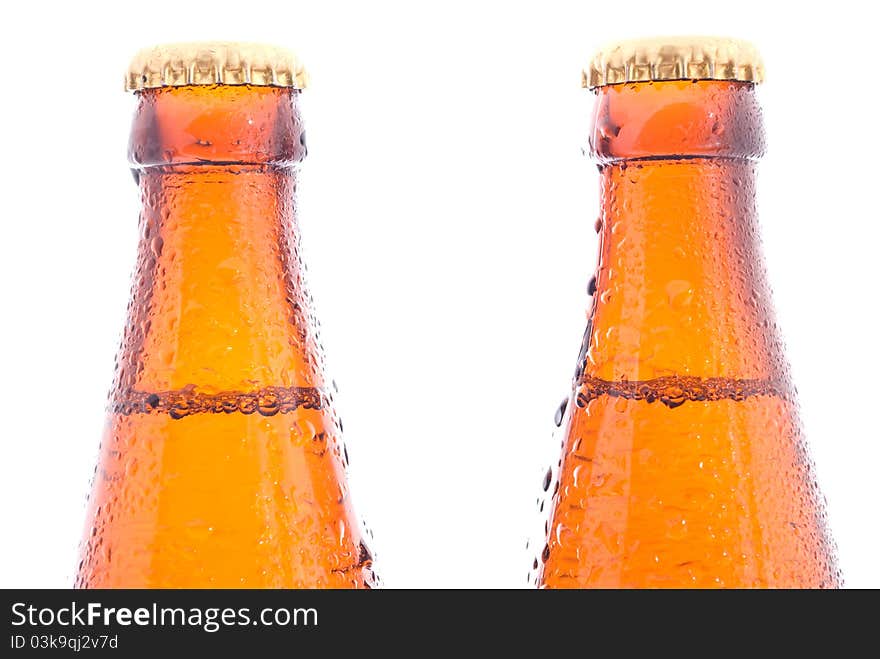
x=680 y=288
x=218 y=301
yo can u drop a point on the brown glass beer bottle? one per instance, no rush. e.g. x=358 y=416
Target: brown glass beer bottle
x=221 y=464
x=683 y=461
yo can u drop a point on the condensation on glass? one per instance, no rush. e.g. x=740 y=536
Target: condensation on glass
x=683 y=462
x=222 y=463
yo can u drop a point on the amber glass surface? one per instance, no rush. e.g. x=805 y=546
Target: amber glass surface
x=222 y=463
x=683 y=461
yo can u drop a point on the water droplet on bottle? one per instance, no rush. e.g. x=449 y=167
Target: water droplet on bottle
x=560 y=414
x=268 y=404
x=364 y=555
x=673 y=396
x=178 y=410
x=547 y=478
x=607 y=129
x=679 y=293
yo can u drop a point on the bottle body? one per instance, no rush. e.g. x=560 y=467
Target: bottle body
x=683 y=461
x=222 y=463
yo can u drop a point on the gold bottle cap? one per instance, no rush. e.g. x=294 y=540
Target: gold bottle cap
x=674 y=58
x=215 y=63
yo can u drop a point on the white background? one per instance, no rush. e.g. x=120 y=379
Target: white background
x=447 y=216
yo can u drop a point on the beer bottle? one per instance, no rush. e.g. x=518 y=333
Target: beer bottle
x=683 y=462
x=222 y=463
